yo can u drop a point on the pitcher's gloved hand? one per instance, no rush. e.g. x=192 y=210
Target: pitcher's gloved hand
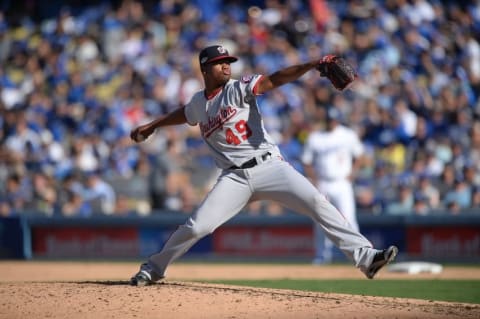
x=337 y=70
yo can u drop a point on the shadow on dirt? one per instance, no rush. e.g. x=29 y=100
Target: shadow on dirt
x=104 y=282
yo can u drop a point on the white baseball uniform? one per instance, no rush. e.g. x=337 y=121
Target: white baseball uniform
x=331 y=154
x=231 y=125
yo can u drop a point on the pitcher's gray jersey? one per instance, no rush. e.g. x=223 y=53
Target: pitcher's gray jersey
x=230 y=122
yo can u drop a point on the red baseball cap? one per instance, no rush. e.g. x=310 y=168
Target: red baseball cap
x=214 y=53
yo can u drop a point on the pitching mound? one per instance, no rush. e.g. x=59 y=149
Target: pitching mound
x=100 y=290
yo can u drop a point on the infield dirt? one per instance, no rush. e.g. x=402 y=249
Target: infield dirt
x=100 y=290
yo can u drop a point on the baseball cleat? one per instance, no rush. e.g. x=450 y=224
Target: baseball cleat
x=142 y=278
x=381 y=259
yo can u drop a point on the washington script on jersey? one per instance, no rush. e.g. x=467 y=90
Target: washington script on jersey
x=217 y=121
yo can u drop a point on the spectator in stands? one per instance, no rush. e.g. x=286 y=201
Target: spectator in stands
x=23 y=140
x=383 y=184
x=74 y=205
x=17 y=194
x=404 y=203
x=420 y=205
x=392 y=151
x=405 y=120
x=446 y=181
x=158 y=181
x=427 y=190
x=203 y=169
x=179 y=192
x=99 y=194
x=452 y=206
x=471 y=175
x=44 y=195
x=433 y=165
x=139 y=190
x=461 y=194
x=70 y=198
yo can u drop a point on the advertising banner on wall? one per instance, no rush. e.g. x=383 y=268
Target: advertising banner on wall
x=85 y=242
x=264 y=241
x=444 y=241
x=104 y=242
x=133 y=241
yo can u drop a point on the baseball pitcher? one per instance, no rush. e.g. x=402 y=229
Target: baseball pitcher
x=230 y=121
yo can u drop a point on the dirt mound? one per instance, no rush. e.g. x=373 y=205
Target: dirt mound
x=94 y=290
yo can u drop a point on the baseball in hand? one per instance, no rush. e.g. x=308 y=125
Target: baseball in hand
x=140 y=137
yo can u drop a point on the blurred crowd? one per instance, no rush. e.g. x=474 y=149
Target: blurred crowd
x=74 y=84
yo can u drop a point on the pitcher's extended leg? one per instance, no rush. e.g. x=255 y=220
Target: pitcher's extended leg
x=229 y=195
x=293 y=190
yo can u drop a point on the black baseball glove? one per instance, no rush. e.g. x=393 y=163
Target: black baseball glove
x=337 y=70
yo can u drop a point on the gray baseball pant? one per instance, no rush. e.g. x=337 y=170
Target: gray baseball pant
x=276 y=180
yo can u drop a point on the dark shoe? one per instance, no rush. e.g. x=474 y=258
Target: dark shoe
x=381 y=259
x=143 y=277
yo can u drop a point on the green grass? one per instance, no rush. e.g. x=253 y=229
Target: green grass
x=441 y=290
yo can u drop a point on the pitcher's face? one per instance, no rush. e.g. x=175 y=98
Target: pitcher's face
x=218 y=72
